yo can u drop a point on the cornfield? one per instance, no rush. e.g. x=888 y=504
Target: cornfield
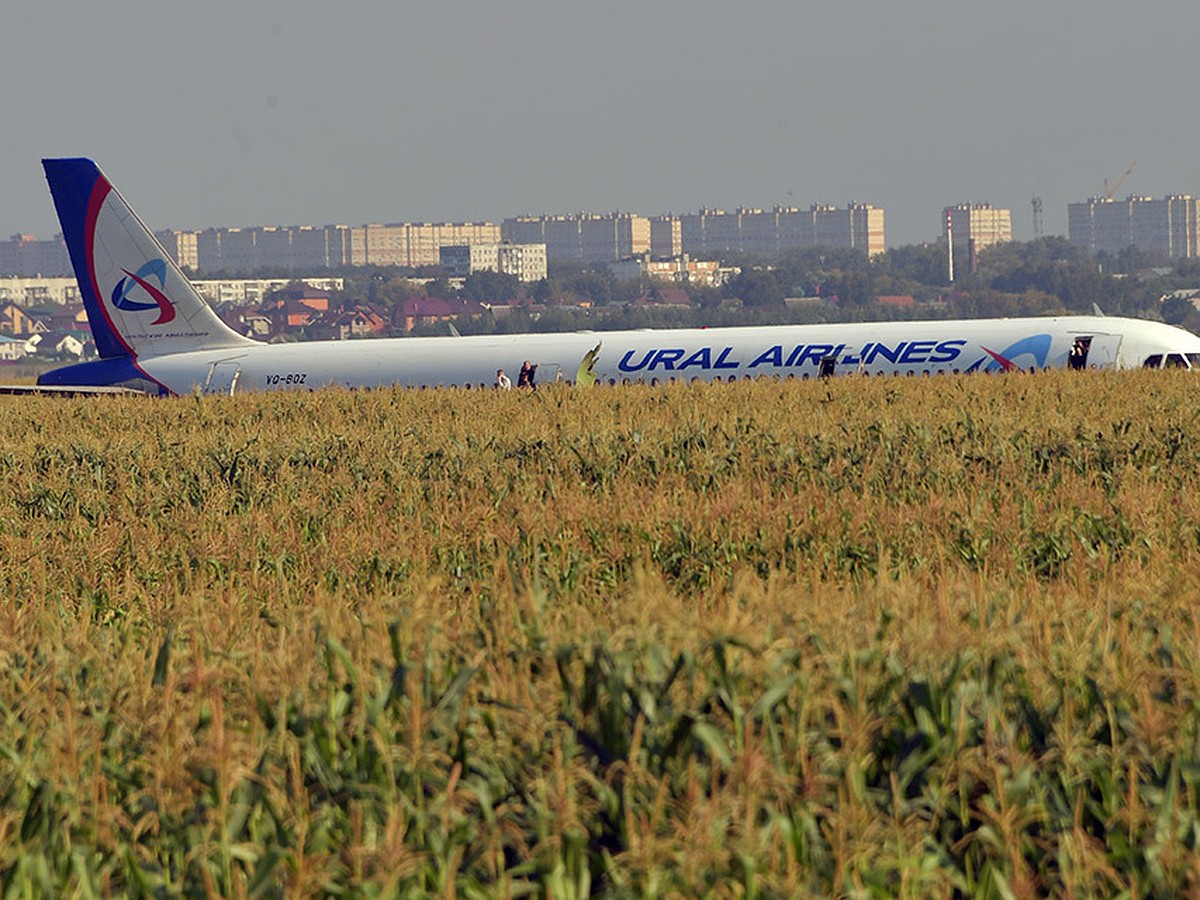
x=865 y=637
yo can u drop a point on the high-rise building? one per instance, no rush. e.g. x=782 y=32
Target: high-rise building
x=181 y=245
x=858 y=226
x=24 y=255
x=666 y=240
x=712 y=232
x=581 y=238
x=460 y=260
x=411 y=244
x=31 y=291
x=977 y=226
x=1105 y=225
x=305 y=248
x=680 y=270
x=525 y=261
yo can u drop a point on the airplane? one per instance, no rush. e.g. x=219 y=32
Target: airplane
x=156 y=334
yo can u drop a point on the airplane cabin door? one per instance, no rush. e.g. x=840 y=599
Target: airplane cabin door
x=1103 y=351
x=222 y=378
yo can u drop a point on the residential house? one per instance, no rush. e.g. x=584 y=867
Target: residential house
x=68 y=318
x=359 y=321
x=18 y=321
x=58 y=342
x=246 y=320
x=11 y=348
x=295 y=307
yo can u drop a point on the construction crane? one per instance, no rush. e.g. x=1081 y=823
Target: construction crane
x=1109 y=191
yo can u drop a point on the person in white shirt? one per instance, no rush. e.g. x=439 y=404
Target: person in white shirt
x=502 y=381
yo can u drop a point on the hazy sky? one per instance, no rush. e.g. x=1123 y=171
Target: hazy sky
x=231 y=112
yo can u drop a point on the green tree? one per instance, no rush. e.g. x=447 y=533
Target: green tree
x=491 y=287
x=921 y=263
x=756 y=287
x=598 y=286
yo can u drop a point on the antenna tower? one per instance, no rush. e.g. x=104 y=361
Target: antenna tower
x=1037 y=217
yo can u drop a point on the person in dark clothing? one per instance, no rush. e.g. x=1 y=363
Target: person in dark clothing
x=526 y=375
x=1078 y=357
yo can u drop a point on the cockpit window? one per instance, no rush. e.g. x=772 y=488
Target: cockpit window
x=1175 y=361
x=1153 y=362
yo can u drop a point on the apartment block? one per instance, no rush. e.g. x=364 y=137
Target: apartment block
x=460 y=260
x=226 y=249
x=307 y=248
x=24 y=255
x=666 y=237
x=525 y=261
x=680 y=270
x=712 y=232
x=1106 y=225
x=411 y=244
x=59 y=291
x=181 y=245
x=977 y=226
x=581 y=238
x=859 y=226
x=760 y=231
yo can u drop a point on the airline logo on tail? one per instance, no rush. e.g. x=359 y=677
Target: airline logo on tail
x=124 y=295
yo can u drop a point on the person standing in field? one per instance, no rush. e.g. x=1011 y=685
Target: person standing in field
x=502 y=381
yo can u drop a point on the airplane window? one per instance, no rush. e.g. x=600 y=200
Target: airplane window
x=1153 y=362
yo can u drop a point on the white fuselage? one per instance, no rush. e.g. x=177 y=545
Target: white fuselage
x=910 y=347
x=155 y=332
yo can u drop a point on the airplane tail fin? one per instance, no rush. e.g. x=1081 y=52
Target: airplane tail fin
x=138 y=302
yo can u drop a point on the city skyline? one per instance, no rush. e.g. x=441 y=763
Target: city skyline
x=297 y=112
x=1101 y=224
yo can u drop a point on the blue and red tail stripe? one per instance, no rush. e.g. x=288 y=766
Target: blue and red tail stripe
x=79 y=190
